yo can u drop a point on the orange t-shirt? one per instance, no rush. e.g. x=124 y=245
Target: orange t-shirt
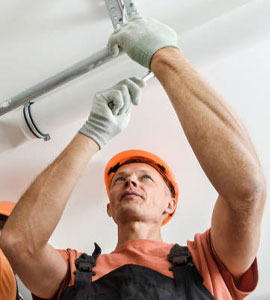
x=7 y=279
x=153 y=255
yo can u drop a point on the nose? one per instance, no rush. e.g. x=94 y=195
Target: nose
x=130 y=182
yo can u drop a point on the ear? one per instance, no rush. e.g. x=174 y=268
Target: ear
x=109 y=209
x=171 y=207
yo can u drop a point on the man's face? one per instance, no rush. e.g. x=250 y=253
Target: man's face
x=148 y=198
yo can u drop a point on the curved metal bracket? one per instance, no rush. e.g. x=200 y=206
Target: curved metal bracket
x=120 y=11
x=30 y=122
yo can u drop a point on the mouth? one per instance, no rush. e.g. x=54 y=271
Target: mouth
x=130 y=194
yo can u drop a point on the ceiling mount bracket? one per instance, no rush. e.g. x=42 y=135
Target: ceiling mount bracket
x=31 y=124
x=120 y=11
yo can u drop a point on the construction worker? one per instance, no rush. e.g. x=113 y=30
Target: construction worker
x=8 y=286
x=218 y=264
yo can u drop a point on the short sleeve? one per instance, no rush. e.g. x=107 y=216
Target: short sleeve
x=69 y=256
x=216 y=277
x=248 y=281
x=7 y=279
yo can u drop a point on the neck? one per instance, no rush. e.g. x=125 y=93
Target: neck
x=138 y=230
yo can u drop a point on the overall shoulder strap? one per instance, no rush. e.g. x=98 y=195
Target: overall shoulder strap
x=179 y=255
x=84 y=265
x=188 y=280
x=183 y=267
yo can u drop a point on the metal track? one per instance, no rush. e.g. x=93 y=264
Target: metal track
x=119 y=11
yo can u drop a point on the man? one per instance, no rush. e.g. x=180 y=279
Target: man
x=143 y=195
x=8 y=287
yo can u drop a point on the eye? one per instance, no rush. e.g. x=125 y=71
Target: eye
x=119 y=178
x=146 y=176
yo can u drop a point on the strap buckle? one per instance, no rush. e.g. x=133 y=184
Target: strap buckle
x=179 y=256
x=85 y=263
x=178 y=260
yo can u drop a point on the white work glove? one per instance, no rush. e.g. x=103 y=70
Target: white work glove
x=140 y=38
x=110 y=113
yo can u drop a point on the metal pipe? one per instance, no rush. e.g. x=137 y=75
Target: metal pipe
x=119 y=11
x=148 y=76
x=53 y=82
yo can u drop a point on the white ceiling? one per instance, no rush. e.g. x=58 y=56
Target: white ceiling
x=227 y=41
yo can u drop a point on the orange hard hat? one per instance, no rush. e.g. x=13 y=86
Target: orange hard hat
x=6 y=208
x=141 y=156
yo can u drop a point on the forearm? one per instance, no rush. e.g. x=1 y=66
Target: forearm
x=217 y=137
x=41 y=206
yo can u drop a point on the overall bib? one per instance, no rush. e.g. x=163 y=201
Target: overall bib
x=134 y=282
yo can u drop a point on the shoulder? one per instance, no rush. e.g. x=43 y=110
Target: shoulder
x=215 y=275
x=70 y=255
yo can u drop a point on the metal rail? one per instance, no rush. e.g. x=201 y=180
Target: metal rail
x=57 y=80
x=119 y=11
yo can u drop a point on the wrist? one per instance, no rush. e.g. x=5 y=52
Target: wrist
x=165 y=57
x=87 y=142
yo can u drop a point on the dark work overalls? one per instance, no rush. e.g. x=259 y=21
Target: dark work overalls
x=134 y=282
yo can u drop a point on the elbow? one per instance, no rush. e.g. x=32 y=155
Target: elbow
x=253 y=195
x=13 y=249
x=257 y=188
x=11 y=245
x=16 y=244
x=8 y=244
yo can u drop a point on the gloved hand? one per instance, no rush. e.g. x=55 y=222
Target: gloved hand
x=140 y=38
x=110 y=113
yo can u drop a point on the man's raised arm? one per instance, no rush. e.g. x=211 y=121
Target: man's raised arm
x=226 y=154
x=25 y=236
x=216 y=135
